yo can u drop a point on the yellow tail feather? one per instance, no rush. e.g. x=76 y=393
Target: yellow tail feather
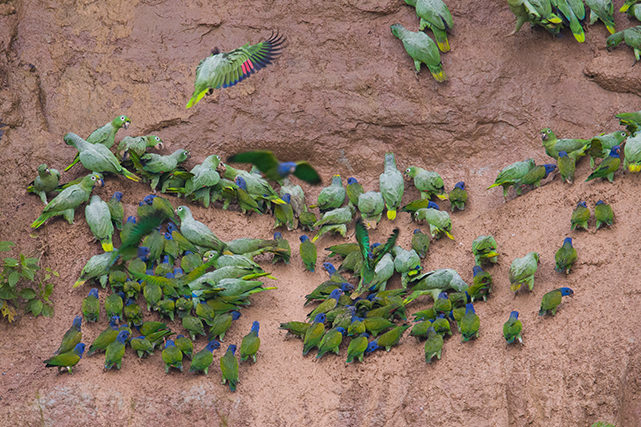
x=443 y=196
x=580 y=37
x=440 y=76
x=38 y=222
x=130 y=175
x=447 y=233
x=610 y=29
x=278 y=201
x=634 y=168
x=515 y=287
x=195 y=98
x=624 y=8
x=107 y=247
x=79 y=283
x=391 y=214
x=444 y=46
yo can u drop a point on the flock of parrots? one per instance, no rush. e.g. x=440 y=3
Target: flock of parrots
x=184 y=271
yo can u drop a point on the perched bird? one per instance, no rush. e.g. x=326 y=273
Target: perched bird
x=104 y=135
x=194 y=326
x=580 y=216
x=551 y=300
x=222 y=323
x=391 y=338
x=484 y=250
x=331 y=341
x=565 y=257
x=433 y=345
x=632 y=152
x=391 y=186
x=407 y=263
x=458 y=197
x=573 y=146
x=522 y=271
x=46 y=181
x=66 y=360
x=534 y=176
x=132 y=312
x=371 y=205
x=185 y=345
x=284 y=251
x=574 y=13
x=609 y=165
x=308 y=253
x=314 y=333
x=224 y=69
x=602 y=10
x=68 y=200
x=439 y=221
x=512 y=328
x=172 y=357
x=511 y=174
x=197 y=232
x=138 y=145
x=142 y=346
x=601 y=145
x=116 y=209
x=566 y=166
x=469 y=324
x=353 y=189
x=276 y=170
x=627 y=4
x=296 y=329
x=204 y=358
x=631 y=37
x=98 y=218
x=537 y=12
x=284 y=214
x=434 y=15
x=422 y=49
x=357 y=347
x=155 y=165
x=631 y=121
x=105 y=338
x=229 y=367
x=115 y=351
x=250 y=344
x=333 y=196
x=481 y=285
x=428 y=183
x=97 y=157
x=603 y=214
x=91 y=306
x=329 y=304
x=72 y=337
x=420 y=242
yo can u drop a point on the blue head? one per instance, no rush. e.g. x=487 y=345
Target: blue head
x=149 y=271
x=460 y=185
x=336 y=294
x=469 y=308
x=600 y=202
x=165 y=259
x=563 y=154
x=346 y=287
x=371 y=347
x=255 y=327
x=121 y=294
x=371 y=297
x=168 y=236
x=241 y=183
x=149 y=199
x=442 y=295
x=77 y=322
x=352 y=180
x=170 y=343
x=432 y=205
x=235 y=315
x=180 y=336
x=364 y=334
x=232 y=348
x=476 y=270
x=130 y=301
x=514 y=315
x=285 y=168
x=416 y=231
x=122 y=336
x=614 y=151
x=303 y=238
x=278 y=235
x=549 y=168
x=93 y=293
x=143 y=252
x=582 y=205
x=142 y=337
x=329 y=268
x=117 y=195
x=212 y=345
x=178 y=271
x=79 y=349
x=567 y=241
x=171 y=227
x=131 y=219
x=341 y=330
x=566 y=291
x=320 y=318
x=113 y=322
x=287 y=198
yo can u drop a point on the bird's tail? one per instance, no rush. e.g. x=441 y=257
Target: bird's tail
x=441 y=40
x=73 y=163
x=78 y=283
x=624 y=8
x=610 y=28
x=130 y=175
x=496 y=184
x=391 y=214
x=448 y=234
x=107 y=245
x=577 y=30
x=196 y=97
x=443 y=196
x=40 y=220
x=634 y=168
x=438 y=75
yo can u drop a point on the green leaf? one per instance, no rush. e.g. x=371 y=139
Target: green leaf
x=55 y=273
x=35 y=306
x=14 y=277
x=27 y=294
x=7 y=293
x=6 y=245
x=47 y=277
x=48 y=291
x=28 y=273
x=47 y=310
x=10 y=262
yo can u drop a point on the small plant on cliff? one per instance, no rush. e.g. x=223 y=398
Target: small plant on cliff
x=23 y=281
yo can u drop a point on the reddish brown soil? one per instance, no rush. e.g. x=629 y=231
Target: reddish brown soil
x=342 y=94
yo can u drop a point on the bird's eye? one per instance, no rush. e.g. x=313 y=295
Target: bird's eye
x=122 y=118
x=157 y=139
x=407 y=170
x=93 y=178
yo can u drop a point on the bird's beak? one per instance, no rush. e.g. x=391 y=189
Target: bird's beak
x=160 y=146
x=126 y=125
x=544 y=136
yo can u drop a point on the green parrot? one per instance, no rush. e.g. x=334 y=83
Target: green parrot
x=308 y=253
x=148 y=328
x=439 y=221
x=284 y=214
x=632 y=151
x=253 y=184
x=91 y=306
x=631 y=37
x=96 y=268
x=522 y=271
x=224 y=69
x=511 y=174
x=330 y=303
x=383 y=271
x=601 y=145
x=420 y=242
x=245 y=246
x=204 y=175
x=104 y=135
x=166 y=307
x=296 y=329
x=565 y=257
x=391 y=338
x=442 y=305
x=434 y=15
x=551 y=300
x=422 y=49
x=307 y=220
x=419 y=330
x=436 y=281
x=407 y=263
x=115 y=351
x=603 y=10
x=284 y=251
x=427 y=314
x=229 y=367
x=484 y=250
x=512 y=328
x=627 y=4
x=376 y=325
x=138 y=145
x=221 y=324
x=172 y=357
x=66 y=360
x=194 y=326
x=68 y=200
x=574 y=13
x=458 y=197
x=155 y=165
x=433 y=345
x=250 y=343
x=354 y=189
x=521 y=12
x=297 y=196
x=276 y=170
x=331 y=341
x=333 y=196
x=116 y=210
x=534 y=177
x=46 y=181
x=132 y=312
x=392 y=186
x=97 y=157
x=357 y=347
x=336 y=216
x=314 y=333
x=603 y=214
x=152 y=293
x=442 y=326
x=632 y=121
x=197 y=232
x=608 y=166
x=540 y=12
x=574 y=147
x=142 y=346
x=105 y=338
x=481 y=286
x=469 y=324
x=99 y=220
x=72 y=337
x=204 y=358
x=371 y=206
x=580 y=216
x=567 y=166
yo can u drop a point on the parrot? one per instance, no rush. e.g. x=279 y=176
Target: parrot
x=68 y=200
x=329 y=304
x=522 y=271
x=46 y=181
x=138 y=145
x=166 y=308
x=458 y=197
x=115 y=351
x=222 y=323
x=469 y=324
x=391 y=338
x=356 y=348
x=608 y=166
x=331 y=341
x=98 y=218
x=172 y=356
x=276 y=170
x=314 y=333
x=97 y=157
x=434 y=15
x=333 y=196
x=441 y=325
x=601 y=145
x=534 y=176
x=66 y=360
x=148 y=328
x=91 y=306
x=383 y=271
x=194 y=326
x=250 y=343
x=116 y=209
x=634 y=12
x=105 y=338
x=244 y=246
x=537 y=12
x=627 y=4
x=224 y=69
x=603 y=214
x=566 y=166
x=152 y=293
x=442 y=305
x=297 y=196
x=512 y=328
x=323 y=290
x=551 y=300
x=334 y=218
x=407 y=263
x=96 y=268
x=420 y=242
x=439 y=221
x=376 y=325
x=72 y=337
x=356 y=327
x=511 y=174
x=306 y=220
x=296 y=329
x=204 y=358
x=632 y=38
x=371 y=206
x=484 y=250
x=308 y=253
x=104 y=135
x=419 y=330
x=132 y=312
x=154 y=165
x=284 y=214
x=433 y=345
x=574 y=13
x=631 y=121
x=482 y=284
x=229 y=367
x=353 y=189
x=632 y=151
x=427 y=314
x=603 y=10
x=204 y=175
x=284 y=249
x=580 y=216
x=391 y=185
x=197 y=232
x=142 y=346
x=252 y=184
x=565 y=257
x=574 y=147
x=435 y=282
x=422 y=49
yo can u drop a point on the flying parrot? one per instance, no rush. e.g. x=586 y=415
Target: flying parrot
x=276 y=170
